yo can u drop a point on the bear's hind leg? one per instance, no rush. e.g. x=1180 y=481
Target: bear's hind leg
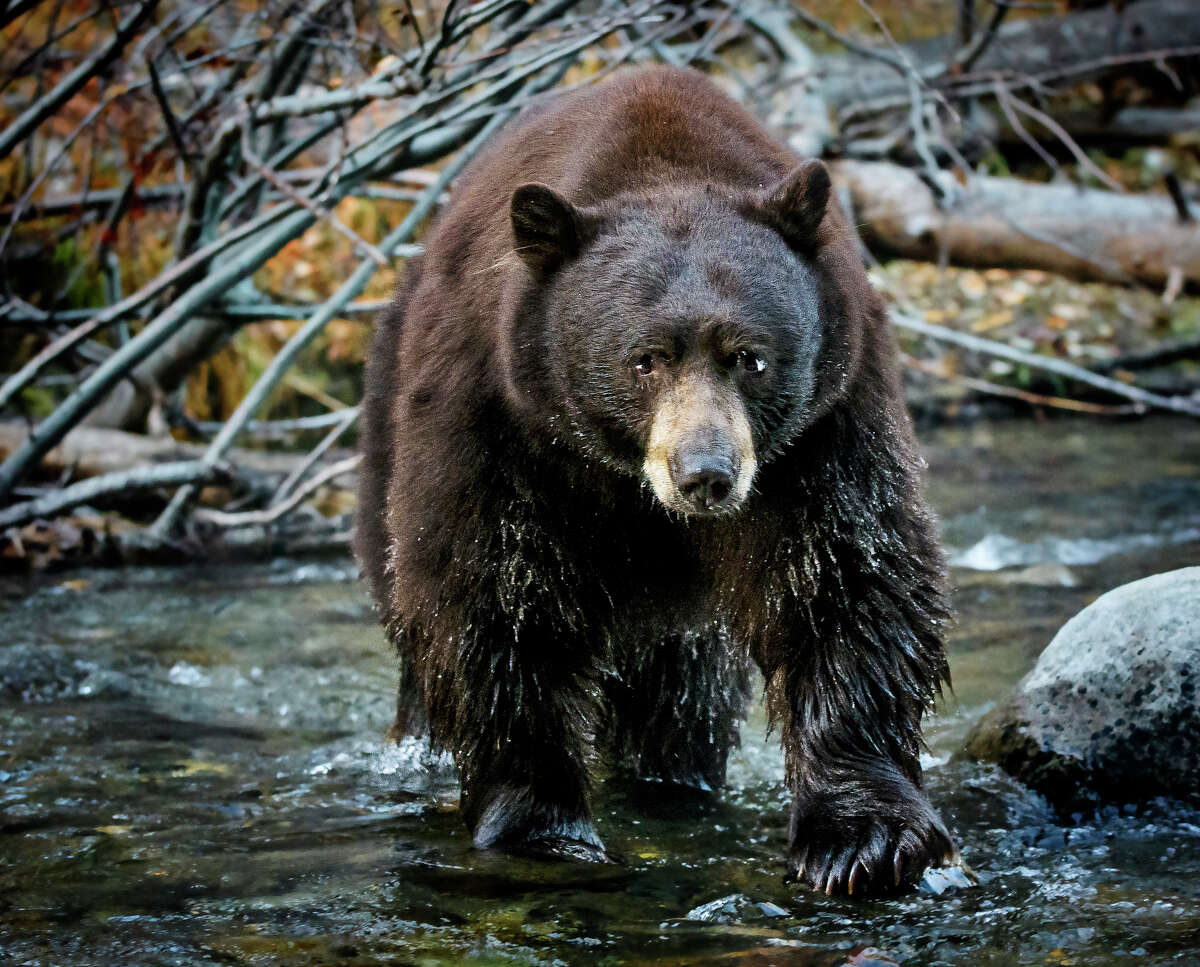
x=674 y=707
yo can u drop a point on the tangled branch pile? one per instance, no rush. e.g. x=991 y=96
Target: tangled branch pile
x=230 y=130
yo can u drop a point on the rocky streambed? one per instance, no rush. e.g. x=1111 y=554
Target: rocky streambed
x=192 y=771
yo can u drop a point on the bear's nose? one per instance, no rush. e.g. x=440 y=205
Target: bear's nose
x=703 y=473
x=706 y=488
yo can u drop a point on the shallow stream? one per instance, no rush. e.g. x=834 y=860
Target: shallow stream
x=192 y=770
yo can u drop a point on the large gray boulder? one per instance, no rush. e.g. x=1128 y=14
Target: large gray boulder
x=1111 y=710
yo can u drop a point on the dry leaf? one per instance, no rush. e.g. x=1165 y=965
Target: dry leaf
x=993 y=320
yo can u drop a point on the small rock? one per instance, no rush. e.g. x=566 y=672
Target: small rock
x=941 y=880
x=1111 y=710
x=735 y=908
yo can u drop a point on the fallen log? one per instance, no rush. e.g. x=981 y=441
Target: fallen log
x=92 y=540
x=1005 y=222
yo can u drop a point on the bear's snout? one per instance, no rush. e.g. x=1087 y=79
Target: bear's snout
x=700 y=455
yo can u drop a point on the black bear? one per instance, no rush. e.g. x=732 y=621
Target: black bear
x=634 y=421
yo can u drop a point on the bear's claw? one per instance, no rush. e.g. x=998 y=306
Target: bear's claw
x=880 y=861
x=864 y=829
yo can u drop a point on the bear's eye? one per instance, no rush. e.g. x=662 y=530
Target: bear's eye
x=750 y=361
x=644 y=365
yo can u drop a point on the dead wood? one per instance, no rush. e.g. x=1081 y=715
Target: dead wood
x=93 y=540
x=93 y=451
x=1130 y=125
x=1086 y=233
x=1079 y=46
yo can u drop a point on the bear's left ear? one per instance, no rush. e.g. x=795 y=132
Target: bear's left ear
x=547 y=229
x=795 y=206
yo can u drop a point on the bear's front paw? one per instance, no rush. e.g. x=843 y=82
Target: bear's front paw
x=860 y=840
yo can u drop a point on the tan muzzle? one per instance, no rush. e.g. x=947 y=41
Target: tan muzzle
x=700 y=455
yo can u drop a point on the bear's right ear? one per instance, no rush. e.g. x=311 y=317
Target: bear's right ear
x=795 y=206
x=547 y=229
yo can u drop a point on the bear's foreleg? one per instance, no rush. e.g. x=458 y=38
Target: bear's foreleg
x=850 y=696
x=860 y=823
x=514 y=704
x=853 y=660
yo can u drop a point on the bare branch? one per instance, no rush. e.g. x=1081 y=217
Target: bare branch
x=283 y=507
x=126 y=307
x=113 y=370
x=346 y=419
x=1012 y=393
x=65 y=89
x=160 y=95
x=965 y=59
x=149 y=477
x=318 y=211
x=1084 y=161
x=348 y=290
x=1142 y=398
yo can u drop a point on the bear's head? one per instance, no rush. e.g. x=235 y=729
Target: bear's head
x=677 y=334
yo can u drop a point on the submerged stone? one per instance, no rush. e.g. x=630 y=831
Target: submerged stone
x=735 y=908
x=1111 y=710
x=941 y=880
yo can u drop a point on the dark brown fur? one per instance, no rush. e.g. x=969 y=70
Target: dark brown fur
x=544 y=604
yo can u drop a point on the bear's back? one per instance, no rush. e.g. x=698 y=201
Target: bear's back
x=645 y=130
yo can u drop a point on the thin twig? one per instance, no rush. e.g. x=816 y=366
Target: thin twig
x=345 y=421
x=283 y=360
x=1011 y=392
x=62 y=150
x=52 y=429
x=69 y=86
x=965 y=59
x=1143 y=398
x=160 y=95
x=319 y=211
x=1162 y=355
x=1175 y=190
x=444 y=35
x=271 y=429
x=1004 y=99
x=863 y=50
x=127 y=306
x=273 y=513
x=18 y=312
x=1060 y=132
x=980 y=83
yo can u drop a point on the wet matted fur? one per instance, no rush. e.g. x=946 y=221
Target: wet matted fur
x=549 y=601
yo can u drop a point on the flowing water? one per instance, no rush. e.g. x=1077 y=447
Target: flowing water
x=192 y=770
